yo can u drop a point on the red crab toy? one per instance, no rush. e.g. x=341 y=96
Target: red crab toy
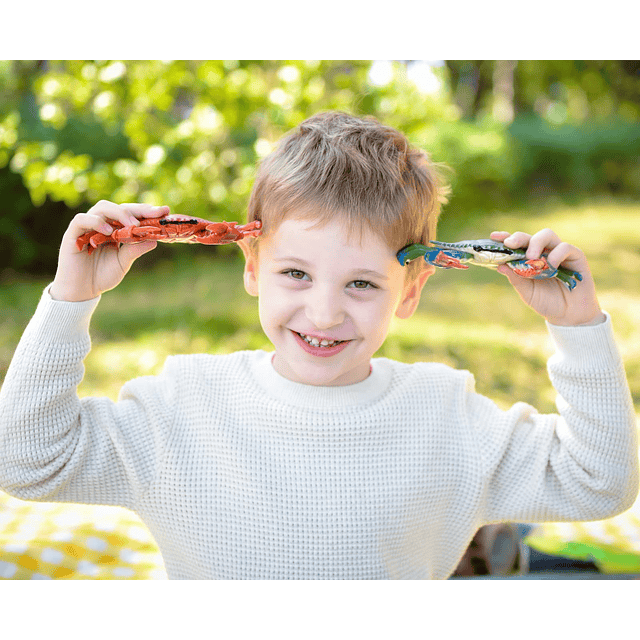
x=171 y=228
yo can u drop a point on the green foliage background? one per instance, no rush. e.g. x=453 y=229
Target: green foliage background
x=189 y=133
x=530 y=144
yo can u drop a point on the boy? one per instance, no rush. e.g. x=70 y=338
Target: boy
x=318 y=461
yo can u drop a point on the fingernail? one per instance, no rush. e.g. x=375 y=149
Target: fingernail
x=106 y=229
x=134 y=221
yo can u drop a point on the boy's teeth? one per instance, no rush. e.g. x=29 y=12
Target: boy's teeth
x=314 y=342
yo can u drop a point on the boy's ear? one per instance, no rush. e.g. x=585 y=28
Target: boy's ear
x=250 y=269
x=412 y=292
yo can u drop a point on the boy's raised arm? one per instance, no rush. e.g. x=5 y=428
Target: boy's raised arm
x=580 y=464
x=583 y=463
x=54 y=446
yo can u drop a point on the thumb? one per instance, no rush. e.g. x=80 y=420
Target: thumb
x=512 y=277
x=524 y=286
x=129 y=253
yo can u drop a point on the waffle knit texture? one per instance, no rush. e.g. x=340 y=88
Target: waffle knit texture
x=240 y=473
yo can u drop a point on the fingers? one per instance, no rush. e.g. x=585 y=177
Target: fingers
x=127 y=214
x=562 y=253
x=84 y=222
x=544 y=241
x=540 y=242
x=517 y=240
x=96 y=219
x=143 y=210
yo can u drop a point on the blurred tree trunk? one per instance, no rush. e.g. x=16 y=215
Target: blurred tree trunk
x=503 y=90
x=471 y=84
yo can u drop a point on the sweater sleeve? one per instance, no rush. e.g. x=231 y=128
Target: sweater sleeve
x=56 y=447
x=579 y=464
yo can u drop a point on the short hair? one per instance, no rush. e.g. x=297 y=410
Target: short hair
x=367 y=174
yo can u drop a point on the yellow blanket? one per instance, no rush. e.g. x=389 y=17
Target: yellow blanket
x=77 y=542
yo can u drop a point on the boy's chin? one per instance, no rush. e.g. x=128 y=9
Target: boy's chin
x=320 y=376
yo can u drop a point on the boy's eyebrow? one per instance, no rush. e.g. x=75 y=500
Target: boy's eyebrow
x=359 y=272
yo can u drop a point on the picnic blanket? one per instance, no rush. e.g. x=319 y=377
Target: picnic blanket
x=78 y=542
x=613 y=545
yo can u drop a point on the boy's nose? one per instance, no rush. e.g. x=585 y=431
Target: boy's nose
x=324 y=310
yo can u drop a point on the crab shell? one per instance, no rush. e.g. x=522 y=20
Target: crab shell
x=170 y=228
x=485 y=253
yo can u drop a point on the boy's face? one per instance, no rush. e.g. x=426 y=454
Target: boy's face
x=313 y=283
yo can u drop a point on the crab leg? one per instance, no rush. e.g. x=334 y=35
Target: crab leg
x=447 y=259
x=570 y=278
x=411 y=252
x=93 y=241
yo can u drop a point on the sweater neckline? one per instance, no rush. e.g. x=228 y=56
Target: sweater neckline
x=316 y=397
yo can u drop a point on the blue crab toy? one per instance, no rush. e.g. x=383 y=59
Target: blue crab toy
x=486 y=253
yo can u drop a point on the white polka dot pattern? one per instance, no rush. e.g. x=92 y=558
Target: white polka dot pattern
x=40 y=541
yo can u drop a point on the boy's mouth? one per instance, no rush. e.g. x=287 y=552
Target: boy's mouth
x=320 y=347
x=317 y=342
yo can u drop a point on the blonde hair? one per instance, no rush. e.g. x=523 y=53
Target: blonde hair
x=367 y=174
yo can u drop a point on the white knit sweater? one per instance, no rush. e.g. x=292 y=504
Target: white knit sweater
x=240 y=473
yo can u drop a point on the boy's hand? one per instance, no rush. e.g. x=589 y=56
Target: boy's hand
x=81 y=276
x=550 y=297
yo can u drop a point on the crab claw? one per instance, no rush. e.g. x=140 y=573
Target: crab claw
x=219 y=233
x=448 y=259
x=540 y=269
x=227 y=232
x=536 y=269
x=92 y=240
x=251 y=229
x=83 y=240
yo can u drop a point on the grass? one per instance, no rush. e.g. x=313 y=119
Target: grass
x=191 y=303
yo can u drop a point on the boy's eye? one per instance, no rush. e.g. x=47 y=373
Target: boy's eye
x=363 y=284
x=295 y=274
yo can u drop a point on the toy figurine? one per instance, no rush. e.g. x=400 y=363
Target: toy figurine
x=486 y=253
x=170 y=228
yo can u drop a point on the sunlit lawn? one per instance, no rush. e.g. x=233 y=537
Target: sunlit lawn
x=190 y=303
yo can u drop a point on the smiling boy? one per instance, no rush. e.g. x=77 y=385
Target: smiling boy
x=318 y=461
x=326 y=303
